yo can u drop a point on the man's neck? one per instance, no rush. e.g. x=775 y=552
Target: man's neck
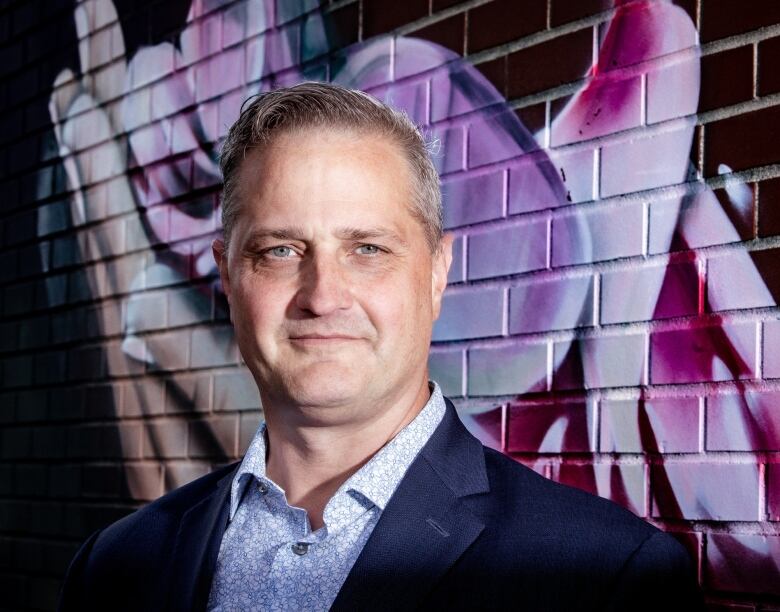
x=311 y=462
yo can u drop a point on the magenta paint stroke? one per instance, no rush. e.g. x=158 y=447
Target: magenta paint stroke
x=172 y=119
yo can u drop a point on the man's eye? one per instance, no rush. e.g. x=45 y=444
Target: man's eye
x=368 y=249
x=281 y=251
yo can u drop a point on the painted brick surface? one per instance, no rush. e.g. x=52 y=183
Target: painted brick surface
x=506 y=371
x=700 y=486
x=547 y=428
x=613 y=234
x=612 y=362
x=523 y=248
x=727 y=415
x=641 y=137
x=660 y=425
x=691 y=346
x=650 y=293
x=750 y=574
x=470 y=315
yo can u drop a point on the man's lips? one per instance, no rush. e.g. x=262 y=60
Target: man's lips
x=316 y=338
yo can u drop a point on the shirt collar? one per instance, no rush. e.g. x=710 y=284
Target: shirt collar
x=377 y=480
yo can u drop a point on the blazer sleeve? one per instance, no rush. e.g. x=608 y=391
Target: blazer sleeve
x=659 y=575
x=73 y=595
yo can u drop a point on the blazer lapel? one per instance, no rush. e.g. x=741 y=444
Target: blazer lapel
x=197 y=546
x=424 y=528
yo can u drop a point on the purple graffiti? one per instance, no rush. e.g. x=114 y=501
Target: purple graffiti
x=545 y=351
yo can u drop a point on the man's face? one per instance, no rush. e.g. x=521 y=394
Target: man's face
x=332 y=286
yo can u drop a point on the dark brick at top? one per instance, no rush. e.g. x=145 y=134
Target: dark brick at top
x=549 y=64
x=448 y=32
x=503 y=21
x=378 y=19
x=769 y=66
x=734 y=67
x=564 y=11
x=743 y=141
x=722 y=18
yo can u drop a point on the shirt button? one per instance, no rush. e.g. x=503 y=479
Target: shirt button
x=300 y=548
x=262 y=487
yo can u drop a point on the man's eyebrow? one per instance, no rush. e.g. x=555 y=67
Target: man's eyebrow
x=343 y=233
x=279 y=233
x=371 y=233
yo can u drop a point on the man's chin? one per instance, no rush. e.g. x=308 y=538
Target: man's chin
x=331 y=383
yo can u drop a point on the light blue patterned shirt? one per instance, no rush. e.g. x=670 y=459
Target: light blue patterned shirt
x=270 y=559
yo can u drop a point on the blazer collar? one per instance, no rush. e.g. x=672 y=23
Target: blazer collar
x=197 y=546
x=425 y=527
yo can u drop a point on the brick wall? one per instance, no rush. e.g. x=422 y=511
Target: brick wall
x=610 y=174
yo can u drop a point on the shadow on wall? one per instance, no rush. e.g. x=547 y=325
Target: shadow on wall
x=138 y=135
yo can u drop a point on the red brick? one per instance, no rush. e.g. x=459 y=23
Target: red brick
x=656 y=426
x=533 y=117
x=769 y=208
x=343 y=24
x=734 y=67
x=166 y=439
x=502 y=21
x=215 y=438
x=695 y=491
x=441 y=4
x=549 y=64
x=448 y=33
x=495 y=72
x=743 y=563
x=748 y=422
x=561 y=427
x=743 y=141
x=773 y=491
x=144 y=481
x=722 y=18
x=623 y=484
x=378 y=19
x=179 y=474
x=563 y=11
x=768 y=75
x=703 y=354
x=100 y=480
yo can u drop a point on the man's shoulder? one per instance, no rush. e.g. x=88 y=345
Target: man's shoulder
x=568 y=513
x=157 y=521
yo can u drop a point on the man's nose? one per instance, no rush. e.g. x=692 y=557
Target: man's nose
x=324 y=286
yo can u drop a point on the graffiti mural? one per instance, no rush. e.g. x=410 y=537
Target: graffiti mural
x=584 y=332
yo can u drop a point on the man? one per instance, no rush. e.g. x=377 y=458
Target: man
x=362 y=490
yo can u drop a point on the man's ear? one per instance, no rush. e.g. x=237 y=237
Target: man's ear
x=442 y=259
x=221 y=258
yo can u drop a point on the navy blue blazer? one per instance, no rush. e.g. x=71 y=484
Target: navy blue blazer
x=467 y=529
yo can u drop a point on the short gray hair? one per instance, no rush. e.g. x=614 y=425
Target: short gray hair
x=323 y=105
